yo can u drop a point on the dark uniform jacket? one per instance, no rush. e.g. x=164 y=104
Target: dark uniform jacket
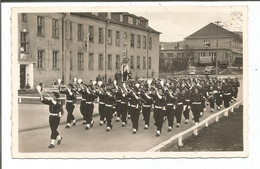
x=53 y=108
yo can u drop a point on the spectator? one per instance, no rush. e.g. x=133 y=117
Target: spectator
x=125 y=74
x=117 y=76
x=99 y=78
x=120 y=77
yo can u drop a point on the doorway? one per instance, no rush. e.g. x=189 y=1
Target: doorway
x=22 y=76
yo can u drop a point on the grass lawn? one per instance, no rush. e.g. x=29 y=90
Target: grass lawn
x=225 y=135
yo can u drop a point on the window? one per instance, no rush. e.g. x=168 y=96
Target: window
x=117 y=38
x=110 y=37
x=109 y=67
x=130 y=20
x=144 y=62
x=100 y=61
x=206 y=43
x=55 y=28
x=91 y=61
x=91 y=34
x=100 y=35
x=132 y=62
x=80 y=32
x=138 y=62
x=40 y=26
x=212 y=55
x=55 y=59
x=150 y=42
x=137 y=22
x=24 y=42
x=40 y=59
x=138 y=41
x=125 y=35
x=170 y=55
x=132 y=40
x=80 y=61
x=149 y=62
x=71 y=30
x=202 y=55
x=144 y=42
x=71 y=61
x=23 y=17
x=117 y=62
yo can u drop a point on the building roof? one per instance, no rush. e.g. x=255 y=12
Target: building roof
x=115 y=20
x=213 y=31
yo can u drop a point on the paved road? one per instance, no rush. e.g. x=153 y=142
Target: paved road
x=34 y=137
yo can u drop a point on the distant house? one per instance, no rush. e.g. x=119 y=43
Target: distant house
x=202 y=47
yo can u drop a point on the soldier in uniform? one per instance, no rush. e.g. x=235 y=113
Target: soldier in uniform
x=83 y=92
x=101 y=106
x=70 y=93
x=170 y=100
x=146 y=108
x=110 y=103
x=211 y=96
x=196 y=104
x=90 y=98
x=219 y=95
x=179 y=106
x=186 y=105
x=237 y=85
x=159 y=110
x=123 y=107
x=56 y=112
x=134 y=109
x=118 y=104
x=226 y=93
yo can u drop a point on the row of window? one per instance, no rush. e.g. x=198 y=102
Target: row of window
x=80 y=30
x=55 y=61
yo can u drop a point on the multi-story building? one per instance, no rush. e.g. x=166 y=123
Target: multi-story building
x=205 y=45
x=83 y=45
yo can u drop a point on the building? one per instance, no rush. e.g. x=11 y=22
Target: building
x=205 y=45
x=83 y=45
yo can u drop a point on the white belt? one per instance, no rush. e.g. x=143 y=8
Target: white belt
x=169 y=104
x=101 y=103
x=123 y=102
x=179 y=103
x=83 y=99
x=69 y=101
x=89 y=102
x=196 y=102
x=158 y=107
x=227 y=93
x=118 y=101
x=52 y=114
x=187 y=100
x=146 y=105
x=108 y=105
x=132 y=105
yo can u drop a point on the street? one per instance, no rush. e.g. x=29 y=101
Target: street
x=34 y=133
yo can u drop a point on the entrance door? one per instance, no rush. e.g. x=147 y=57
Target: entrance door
x=22 y=76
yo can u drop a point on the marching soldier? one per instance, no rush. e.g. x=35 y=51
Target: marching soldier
x=101 y=106
x=219 y=95
x=196 y=104
x=83 y=92
x=170 y=100
x=159 y=110
x=123 y=108
x=110 y=103
x=226 y=94
x=237 y=85
x=179 y=106
x=186 y=105
x=56 y=112
x=146 y=108
x=211 y=96
x=134 y=109
x=70 y=93
x=118 y=96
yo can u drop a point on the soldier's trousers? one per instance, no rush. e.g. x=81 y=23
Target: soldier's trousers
x=226 y=99
x=218 y=99
x=170 y=115
x=159 y=115
x=83 y=109
x=178 y=113
x=123 y=112
x=70 y=107
x=118 y=107
x=109 y=115
x=212 y=103
x=146 y=114
x=196 y=109
x=186 y=112
x=236 y=92
x=54 y=122
x=101 y=109
x=135 y=113
x=89 y=112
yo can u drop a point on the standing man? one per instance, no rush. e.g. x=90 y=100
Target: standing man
x=196 y=104
x=56 y=112
x=170 y=100
x=110 y=102
x=120 y=76
x=134 y=109
x=125 y=74
x=146 y=108
x=226 y=93
x=70 y=93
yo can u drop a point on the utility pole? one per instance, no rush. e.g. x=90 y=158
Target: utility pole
x=218 y=24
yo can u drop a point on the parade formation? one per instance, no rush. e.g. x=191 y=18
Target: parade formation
x=169 y=99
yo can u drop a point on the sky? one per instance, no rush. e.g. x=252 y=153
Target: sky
x=175 y=26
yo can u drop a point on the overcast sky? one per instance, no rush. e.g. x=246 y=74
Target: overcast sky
x=175 y=26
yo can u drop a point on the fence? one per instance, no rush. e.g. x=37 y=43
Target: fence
x=194 y=128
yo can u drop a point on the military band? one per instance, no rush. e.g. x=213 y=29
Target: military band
x=170 y=100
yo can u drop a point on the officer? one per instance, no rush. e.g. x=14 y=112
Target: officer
x=159 y=110
x=196 y=104
x=110 y=103
x=56 y=111
x=70 y=93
